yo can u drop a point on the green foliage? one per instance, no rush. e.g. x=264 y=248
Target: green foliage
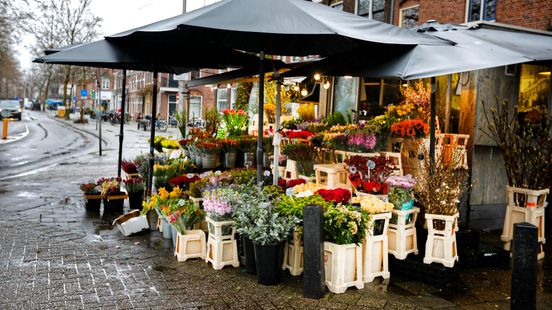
x=181 y=122
x=345 y=225
x=174 y=168
x=197 y=187
x=291 y=124
x=212 y=121
x=293 y=206
x=243 y=94
x=335 y=119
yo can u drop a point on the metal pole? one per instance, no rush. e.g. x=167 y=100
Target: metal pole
x=260 y=119
x=100 y=107
x=433 y=112
x=277 y=127
x=121 y=135
x=152 y=135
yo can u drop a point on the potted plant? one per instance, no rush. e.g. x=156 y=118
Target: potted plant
x=190 y=243
x=222 y=247
x=438 y=190
x=368 y=174
x=184 y=145
x=526 y=143
x=344 y=231
x=130 y=168
x=210 y=151
x=112 y=195
x=92 y=196
x=304 y=154
x=235 y=121
x=230 y=147
x=402 y=230
x=248 y=145
x=135 y=189
x=257 y=218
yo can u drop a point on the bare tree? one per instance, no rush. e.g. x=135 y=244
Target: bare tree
x=62 y=23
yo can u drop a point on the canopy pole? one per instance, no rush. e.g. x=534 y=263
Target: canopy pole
x=121 y=135
x=152 y=135
x=433 y=112
x=277 y=138
x=260 y=126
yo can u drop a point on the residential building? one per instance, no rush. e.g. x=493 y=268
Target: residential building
x=461 y=98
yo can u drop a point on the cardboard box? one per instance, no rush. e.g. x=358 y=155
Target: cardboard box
x=131 y=223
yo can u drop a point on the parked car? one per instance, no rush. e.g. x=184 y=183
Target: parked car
x=12 y=106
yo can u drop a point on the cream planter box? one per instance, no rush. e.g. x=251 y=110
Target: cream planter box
x=343 y=266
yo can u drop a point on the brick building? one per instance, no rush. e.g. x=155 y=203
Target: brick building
x=460 y=97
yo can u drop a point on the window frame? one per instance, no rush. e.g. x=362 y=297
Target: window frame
x=408 y=8
x=481 y=13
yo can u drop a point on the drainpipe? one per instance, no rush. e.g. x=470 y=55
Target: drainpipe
x=392 y=12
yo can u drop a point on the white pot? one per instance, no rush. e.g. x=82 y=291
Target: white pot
x=402 y=234
x=190 y=245
x=342 y=266
x=441 y=243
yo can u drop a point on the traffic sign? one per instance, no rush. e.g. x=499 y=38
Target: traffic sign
x=74 y=98
x=84 y=93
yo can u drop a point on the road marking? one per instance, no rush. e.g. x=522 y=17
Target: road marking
x=17 y=137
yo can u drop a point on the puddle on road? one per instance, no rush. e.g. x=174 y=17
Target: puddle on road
x=28 y=195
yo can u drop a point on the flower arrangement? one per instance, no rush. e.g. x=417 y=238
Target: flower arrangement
x=129 y=166
x=361 y=141
x=218 y=203
x=297 y=134
x=173 y=168
x=372 y=204
x=293 y=206
x=167 y=202
x=401 y=190
x=304 y=154
x=183 y=181
x=209 y=147
x=90 y=188
x=439 y=186
x=345 y=225
x=134 y=185
x=290 y=183
x=415 y=128
x=230 y=145
x=170 y=144
x=369 y=174
x=185 y=215
x=336 y=141
x=337 y=195
x=303 y=187
x=247 y=144
x=197 y=134
x=184 y=143
x=109 y=186
x=157 y=143
x=236 y=121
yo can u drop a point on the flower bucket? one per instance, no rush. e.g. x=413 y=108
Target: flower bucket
x=93 y=202
x=249 y=251
x=115 y=202
x=230 y=160
x=249 y=160
x=209 y=161
x=152 y=219
x=198 y=161
x=269 y=262
x=174 y=233
x=135 y=200
x=406 y=206
x=167 y=232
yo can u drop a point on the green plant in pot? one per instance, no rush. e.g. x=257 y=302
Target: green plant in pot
x=219 y=205
x=304 y=154
x=256 y=217
x=92 y=196
x=135 y=189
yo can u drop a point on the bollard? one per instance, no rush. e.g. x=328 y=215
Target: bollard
x=524 y=267
x=5 y=129
x=313 y=252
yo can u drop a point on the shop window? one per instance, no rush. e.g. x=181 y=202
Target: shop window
x=345 y=95
x=375 y=95
x=172 y=104
x=409 y=17
x=374 y=9
x=222 y=99
x=481 y=10
x=534 y=93
x=195 y=107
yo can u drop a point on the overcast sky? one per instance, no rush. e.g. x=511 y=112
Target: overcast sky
x=121 y=15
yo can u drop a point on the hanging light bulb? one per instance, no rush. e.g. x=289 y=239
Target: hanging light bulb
x=326 y=84
x=304 y=92
x=348 y=76
x=296 y=88
x=317 y=76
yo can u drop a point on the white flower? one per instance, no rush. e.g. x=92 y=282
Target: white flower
x=181 y=202
x=443 y=202
x=218 y=172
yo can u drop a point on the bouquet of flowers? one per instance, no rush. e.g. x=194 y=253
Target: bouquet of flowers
x=185 y=215
x=247 y=144
x=170 y=144
x=230 y=145
x=134 y=185
x=372 y=204
x=109 y=186
x=297 y=134
x=401 y=191
x=362 y=141
x=290 y=183
x=415 y=128
x=235 y=121
x=303 y=187
x=345 y=225
x=369 y=174
x=219 y=203
x=209 y=147
x=129 y=167
x=184 y=143
x=336 y=141
x=338 y=195
x=89 y=188
x=183 y=181
x=304 y=154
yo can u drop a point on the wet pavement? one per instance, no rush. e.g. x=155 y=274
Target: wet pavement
x=54 y=255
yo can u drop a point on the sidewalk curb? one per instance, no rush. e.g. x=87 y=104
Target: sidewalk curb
x=80 y=129
x=21 y=136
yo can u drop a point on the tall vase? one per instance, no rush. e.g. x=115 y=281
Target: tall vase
x=269 y=263
x=249 y=250
x=230 y=160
